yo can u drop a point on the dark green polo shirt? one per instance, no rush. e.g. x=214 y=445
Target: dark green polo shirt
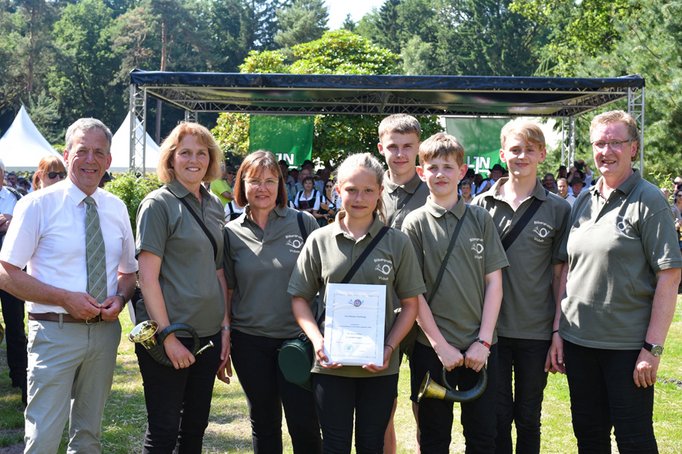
x=188 y=279
x=329 y=254
x=394 y=198
x=528 y=305
x=457 y=305
x=258 y=265
x=615 y=249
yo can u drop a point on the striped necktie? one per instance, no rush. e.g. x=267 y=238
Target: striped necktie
x=94 y=253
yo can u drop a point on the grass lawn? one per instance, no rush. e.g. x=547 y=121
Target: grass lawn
x=229 y=429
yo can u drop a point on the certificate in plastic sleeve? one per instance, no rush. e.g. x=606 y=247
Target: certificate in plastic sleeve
x=354 y=324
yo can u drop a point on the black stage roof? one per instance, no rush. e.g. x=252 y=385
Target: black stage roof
x=299 y=94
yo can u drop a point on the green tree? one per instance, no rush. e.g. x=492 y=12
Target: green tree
x=337 y=52
x=617 y=40
x=82 y=78
x=303 y=21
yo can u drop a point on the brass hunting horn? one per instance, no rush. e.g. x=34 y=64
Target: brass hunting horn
x=145 y=334
x=432 y=390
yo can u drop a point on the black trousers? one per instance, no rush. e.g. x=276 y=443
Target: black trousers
x=524 y=359
x=15 y=335
x=604 y=396
x=178 y=401
x=255 y=361
x=435 y=415
x=369 y=400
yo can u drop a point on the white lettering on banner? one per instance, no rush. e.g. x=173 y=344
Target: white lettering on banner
x=288 y=157
x=480 y=164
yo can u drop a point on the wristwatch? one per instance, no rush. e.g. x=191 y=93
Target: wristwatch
x=655 y=349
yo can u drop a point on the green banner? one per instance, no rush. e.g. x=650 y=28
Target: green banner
x=288 y=137
x=480 y=138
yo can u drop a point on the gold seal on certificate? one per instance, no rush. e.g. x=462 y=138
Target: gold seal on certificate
x=354 y=324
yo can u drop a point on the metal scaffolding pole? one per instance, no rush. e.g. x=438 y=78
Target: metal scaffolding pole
x=636 y=109
x=138 y=121
x=191 y=116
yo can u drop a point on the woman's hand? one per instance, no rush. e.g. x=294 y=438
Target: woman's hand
x=225 y=367
x=449 y=356
x=179 y=355
x=476 y=356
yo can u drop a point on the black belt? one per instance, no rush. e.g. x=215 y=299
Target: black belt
x=64 y=318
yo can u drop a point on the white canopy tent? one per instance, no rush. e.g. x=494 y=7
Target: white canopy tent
x=22 y=147
x=120 y=148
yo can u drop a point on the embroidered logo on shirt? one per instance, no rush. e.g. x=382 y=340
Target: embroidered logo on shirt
x=384 y=267
x=295 y=242
x=541 y=231
x=478 y=247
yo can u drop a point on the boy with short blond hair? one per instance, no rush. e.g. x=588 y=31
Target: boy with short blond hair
x=529 y=318
x=399 y=137
x=457 y=325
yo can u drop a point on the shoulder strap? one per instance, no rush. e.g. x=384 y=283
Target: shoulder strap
x=301 y=225
x=363 y=256
x=201 y=223
x=451 y=246
x=17 y=194
x=509 y=238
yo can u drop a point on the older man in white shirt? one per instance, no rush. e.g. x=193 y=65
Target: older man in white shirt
x=73 y=294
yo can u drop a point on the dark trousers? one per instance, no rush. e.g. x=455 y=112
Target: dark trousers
x=178 y=401
x=255 y=361
x=525 y=359
x=17 y=356
x=435 y=415
x=370 y=400
x=604 y=395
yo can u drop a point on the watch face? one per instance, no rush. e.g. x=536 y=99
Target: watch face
x=656 y=350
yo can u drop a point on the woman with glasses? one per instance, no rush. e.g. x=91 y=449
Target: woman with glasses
x=261 y=248
x=329 y=204
x=623 y=274
x=50 y=170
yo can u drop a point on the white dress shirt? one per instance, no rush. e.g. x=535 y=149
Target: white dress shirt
x=47 y=235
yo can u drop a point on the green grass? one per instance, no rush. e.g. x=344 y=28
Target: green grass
x=229 y=430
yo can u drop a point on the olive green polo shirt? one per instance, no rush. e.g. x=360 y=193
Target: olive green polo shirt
x=394 y=196
x=457 y=306
x=188 y=280
x=528 y=304
x=258 y=264
x=330 y=253
x=615 y=249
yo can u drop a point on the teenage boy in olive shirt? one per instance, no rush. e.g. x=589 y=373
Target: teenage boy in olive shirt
x=529 y=318
x=403 y=190
x=457 y=326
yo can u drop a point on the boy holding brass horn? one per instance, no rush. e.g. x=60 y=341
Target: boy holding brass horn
x=457 y=325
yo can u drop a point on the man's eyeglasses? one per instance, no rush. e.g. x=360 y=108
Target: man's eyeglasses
x=615 y=144
x=53 y=175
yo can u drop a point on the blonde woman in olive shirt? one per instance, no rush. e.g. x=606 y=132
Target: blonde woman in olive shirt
x=361 y=393
x=262 y=246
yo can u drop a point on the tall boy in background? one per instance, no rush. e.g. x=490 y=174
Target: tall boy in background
x=529 y=318
x=404 y=191
x=457 y=325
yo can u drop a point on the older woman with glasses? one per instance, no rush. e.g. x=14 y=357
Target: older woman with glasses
x=623 y=274
x=261 y=248
x=50 y=170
